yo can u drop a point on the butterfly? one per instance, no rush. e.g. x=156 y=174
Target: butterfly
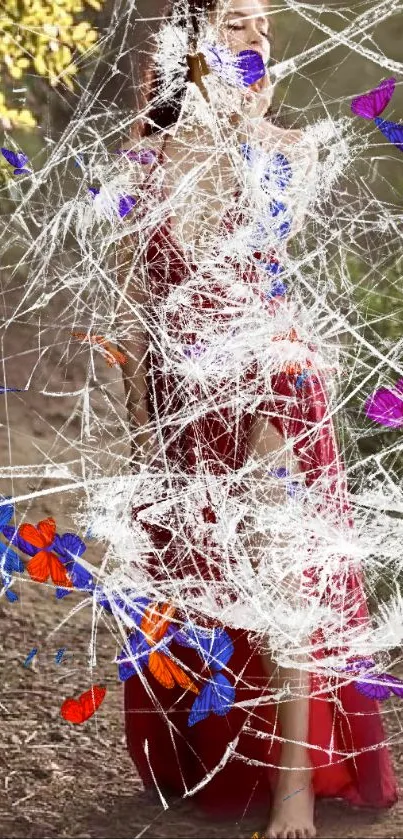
x=126 y=203
x=112 y=357
x=277 y=289
x=251 y=66
x=69 y=548
x=241 y=70
x=31 y=655
x=392 y=131
x=154 y=627
x=385 y=406
x=194 y=350
x=9 y=560
x=59 y=655
x=11 y=389
x=44 y=563
x=380 y=686
x=370 y=105
x=79 y=710
x=293 y=488
x=144 y=156
x=16 y=159
x=215 y=648
x=277 y=171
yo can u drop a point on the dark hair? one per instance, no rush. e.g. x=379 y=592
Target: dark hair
x=166 y=113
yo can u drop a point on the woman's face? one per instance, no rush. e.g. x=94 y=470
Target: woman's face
x=243 y=25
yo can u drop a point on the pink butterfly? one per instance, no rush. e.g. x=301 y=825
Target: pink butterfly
x=370 y=105
x=385 y=406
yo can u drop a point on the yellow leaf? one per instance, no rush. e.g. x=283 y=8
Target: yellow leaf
x=95 y=4
x=40 y=65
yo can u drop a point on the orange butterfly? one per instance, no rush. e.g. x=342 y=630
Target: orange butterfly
x=79 y=710
x=154 y=625
x=292 y=368
x=112 y=357
x=45 y=563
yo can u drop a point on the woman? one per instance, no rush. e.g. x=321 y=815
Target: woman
x=312 y=741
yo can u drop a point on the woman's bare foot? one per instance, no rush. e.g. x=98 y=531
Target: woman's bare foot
x=291 y=816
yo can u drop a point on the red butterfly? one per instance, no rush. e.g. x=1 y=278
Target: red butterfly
x=45 y=563
x=79 y=710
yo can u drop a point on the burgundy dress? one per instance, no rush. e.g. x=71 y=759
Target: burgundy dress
x=222 y=762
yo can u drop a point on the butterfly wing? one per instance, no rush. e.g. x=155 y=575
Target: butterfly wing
x=371 y=104
x=47 y=529
x=91 y=700
x=179 y=675
x=202 y=706
x=157 y=666
x=395 y=685
x=57 y=571
x=251 y=66
x=373 y=688
x=38 y=567
x=126 y=203
x=393 y=132
x=385 y=407
x=32 y=535
x=18 y=160
x=72 y=711
x=223 y=695
x=156 y=620
x=6 y=513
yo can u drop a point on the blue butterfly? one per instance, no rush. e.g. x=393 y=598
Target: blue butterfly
x=11 y=389
x=69 y=548
x=59 y=655
x=391 y=130
x=126 y=203
x=278 y=289
x=16 y=159
x=134 y=609
x=215 y=648
x=9 y=561
x=31 y=655
x=278 y=171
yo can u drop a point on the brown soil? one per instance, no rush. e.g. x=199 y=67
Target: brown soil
x=59 y=780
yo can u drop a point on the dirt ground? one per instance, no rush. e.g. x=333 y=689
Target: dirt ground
x=57 y=780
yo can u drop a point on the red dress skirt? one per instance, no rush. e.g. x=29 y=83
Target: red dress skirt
x=228 y=764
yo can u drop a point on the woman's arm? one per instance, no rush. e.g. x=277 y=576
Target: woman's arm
x=132 y=313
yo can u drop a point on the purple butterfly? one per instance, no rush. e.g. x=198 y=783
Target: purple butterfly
x=145 y=156
x=251 y=66
x=16 y=159
x=380 y=686
x=385 y=406
x=392 y=131
x=240 y=70
x=94 y=190
x=126 y=203
x=194 y=350
x=371 y=104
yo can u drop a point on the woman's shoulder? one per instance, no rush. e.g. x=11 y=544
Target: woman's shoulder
x=294 y=141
